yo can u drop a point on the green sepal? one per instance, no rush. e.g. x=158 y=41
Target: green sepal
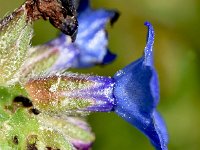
x=52 y=93
x=52 y=139
x=39 y=60
x=15 y=36
x=75 y=129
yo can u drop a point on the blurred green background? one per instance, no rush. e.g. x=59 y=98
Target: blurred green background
x=177 y=53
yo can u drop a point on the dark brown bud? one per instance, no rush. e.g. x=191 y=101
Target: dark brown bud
x=60 y=13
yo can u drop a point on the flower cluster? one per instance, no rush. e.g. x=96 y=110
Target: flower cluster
x=44 y=106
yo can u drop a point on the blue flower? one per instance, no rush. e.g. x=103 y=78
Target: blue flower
x=137 y=95
x=89 y=49
x=92 y=37
x=133 y=93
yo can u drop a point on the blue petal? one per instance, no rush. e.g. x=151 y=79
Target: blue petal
x=137 y=94
x=148 y=51
x=92 y=38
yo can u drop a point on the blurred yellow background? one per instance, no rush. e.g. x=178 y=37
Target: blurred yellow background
x=177 y=53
